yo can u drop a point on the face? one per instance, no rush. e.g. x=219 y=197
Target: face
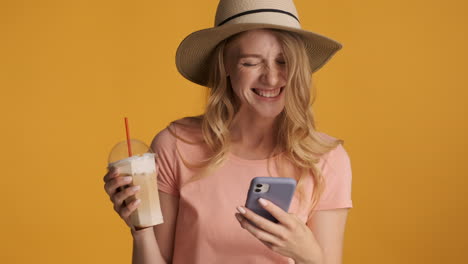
x=255 y=64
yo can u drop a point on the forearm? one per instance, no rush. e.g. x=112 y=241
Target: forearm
x=145 y=248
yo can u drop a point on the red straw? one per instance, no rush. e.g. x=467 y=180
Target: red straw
x=129 y=145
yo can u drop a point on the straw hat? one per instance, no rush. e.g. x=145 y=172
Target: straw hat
x=234 y=16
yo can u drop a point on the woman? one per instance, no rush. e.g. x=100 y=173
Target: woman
x=257 y=63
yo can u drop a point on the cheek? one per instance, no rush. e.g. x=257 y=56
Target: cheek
x=242 y=79
x=238 y=87
x=241 y=88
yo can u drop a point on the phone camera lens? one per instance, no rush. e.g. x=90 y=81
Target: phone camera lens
x=259 y=185
x=257 y=190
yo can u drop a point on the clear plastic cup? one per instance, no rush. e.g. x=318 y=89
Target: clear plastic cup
x=142 y=167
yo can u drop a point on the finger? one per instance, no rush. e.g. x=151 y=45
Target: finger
x=126 y=211
x=277 y=212
x=116 y=184
x=112 y=185
x=119 y=197
x=112 y=173
x=263 y=223
x=265 y=237
x=268 y=245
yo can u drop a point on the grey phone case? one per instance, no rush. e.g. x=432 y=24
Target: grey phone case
x=280 y=192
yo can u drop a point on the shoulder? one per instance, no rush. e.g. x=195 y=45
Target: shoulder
x=336 y=170
x=338 y=159
x=189 y=121
x=337 y=156
x=187 y=129
x=192 y=125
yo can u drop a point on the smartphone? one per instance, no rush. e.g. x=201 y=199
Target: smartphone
x=278 y=190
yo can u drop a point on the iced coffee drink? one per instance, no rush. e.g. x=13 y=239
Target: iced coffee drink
x=142 y=168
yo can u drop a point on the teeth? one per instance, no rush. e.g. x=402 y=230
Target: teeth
x=267 y=93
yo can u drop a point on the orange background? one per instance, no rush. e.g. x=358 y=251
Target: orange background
x=71 y=70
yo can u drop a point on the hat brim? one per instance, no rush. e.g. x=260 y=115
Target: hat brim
x=194 y=51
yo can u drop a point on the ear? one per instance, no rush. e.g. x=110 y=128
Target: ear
x=226 y=70
x=226 y=65
x=227 y=73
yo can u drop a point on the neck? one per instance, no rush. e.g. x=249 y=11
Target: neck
x=253 y=137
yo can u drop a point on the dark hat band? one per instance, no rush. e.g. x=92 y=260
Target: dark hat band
x=257 y=11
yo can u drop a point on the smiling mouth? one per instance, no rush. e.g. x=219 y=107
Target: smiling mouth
x=267 y=93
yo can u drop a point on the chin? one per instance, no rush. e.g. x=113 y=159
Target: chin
x=269 y=114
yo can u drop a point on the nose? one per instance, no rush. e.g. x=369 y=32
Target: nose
x=272 y=75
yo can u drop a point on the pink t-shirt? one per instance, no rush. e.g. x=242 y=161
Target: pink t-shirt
x=207 y=230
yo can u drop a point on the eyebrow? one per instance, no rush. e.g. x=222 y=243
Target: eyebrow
x=241 y=56
x=245 y=55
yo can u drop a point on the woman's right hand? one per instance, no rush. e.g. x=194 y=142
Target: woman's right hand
x=112 y=183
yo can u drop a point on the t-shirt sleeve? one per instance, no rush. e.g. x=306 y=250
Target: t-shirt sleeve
x=336 y=170
x=164 y=146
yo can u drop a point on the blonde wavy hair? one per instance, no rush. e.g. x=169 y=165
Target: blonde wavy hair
x=297 y=140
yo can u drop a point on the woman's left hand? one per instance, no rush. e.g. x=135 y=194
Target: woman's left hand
x=289 y=237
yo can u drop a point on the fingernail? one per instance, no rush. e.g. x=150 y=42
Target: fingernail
x=137 y=201
x=136 y=188
x=262 y=201
x=241 y=210
x=128 y=178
